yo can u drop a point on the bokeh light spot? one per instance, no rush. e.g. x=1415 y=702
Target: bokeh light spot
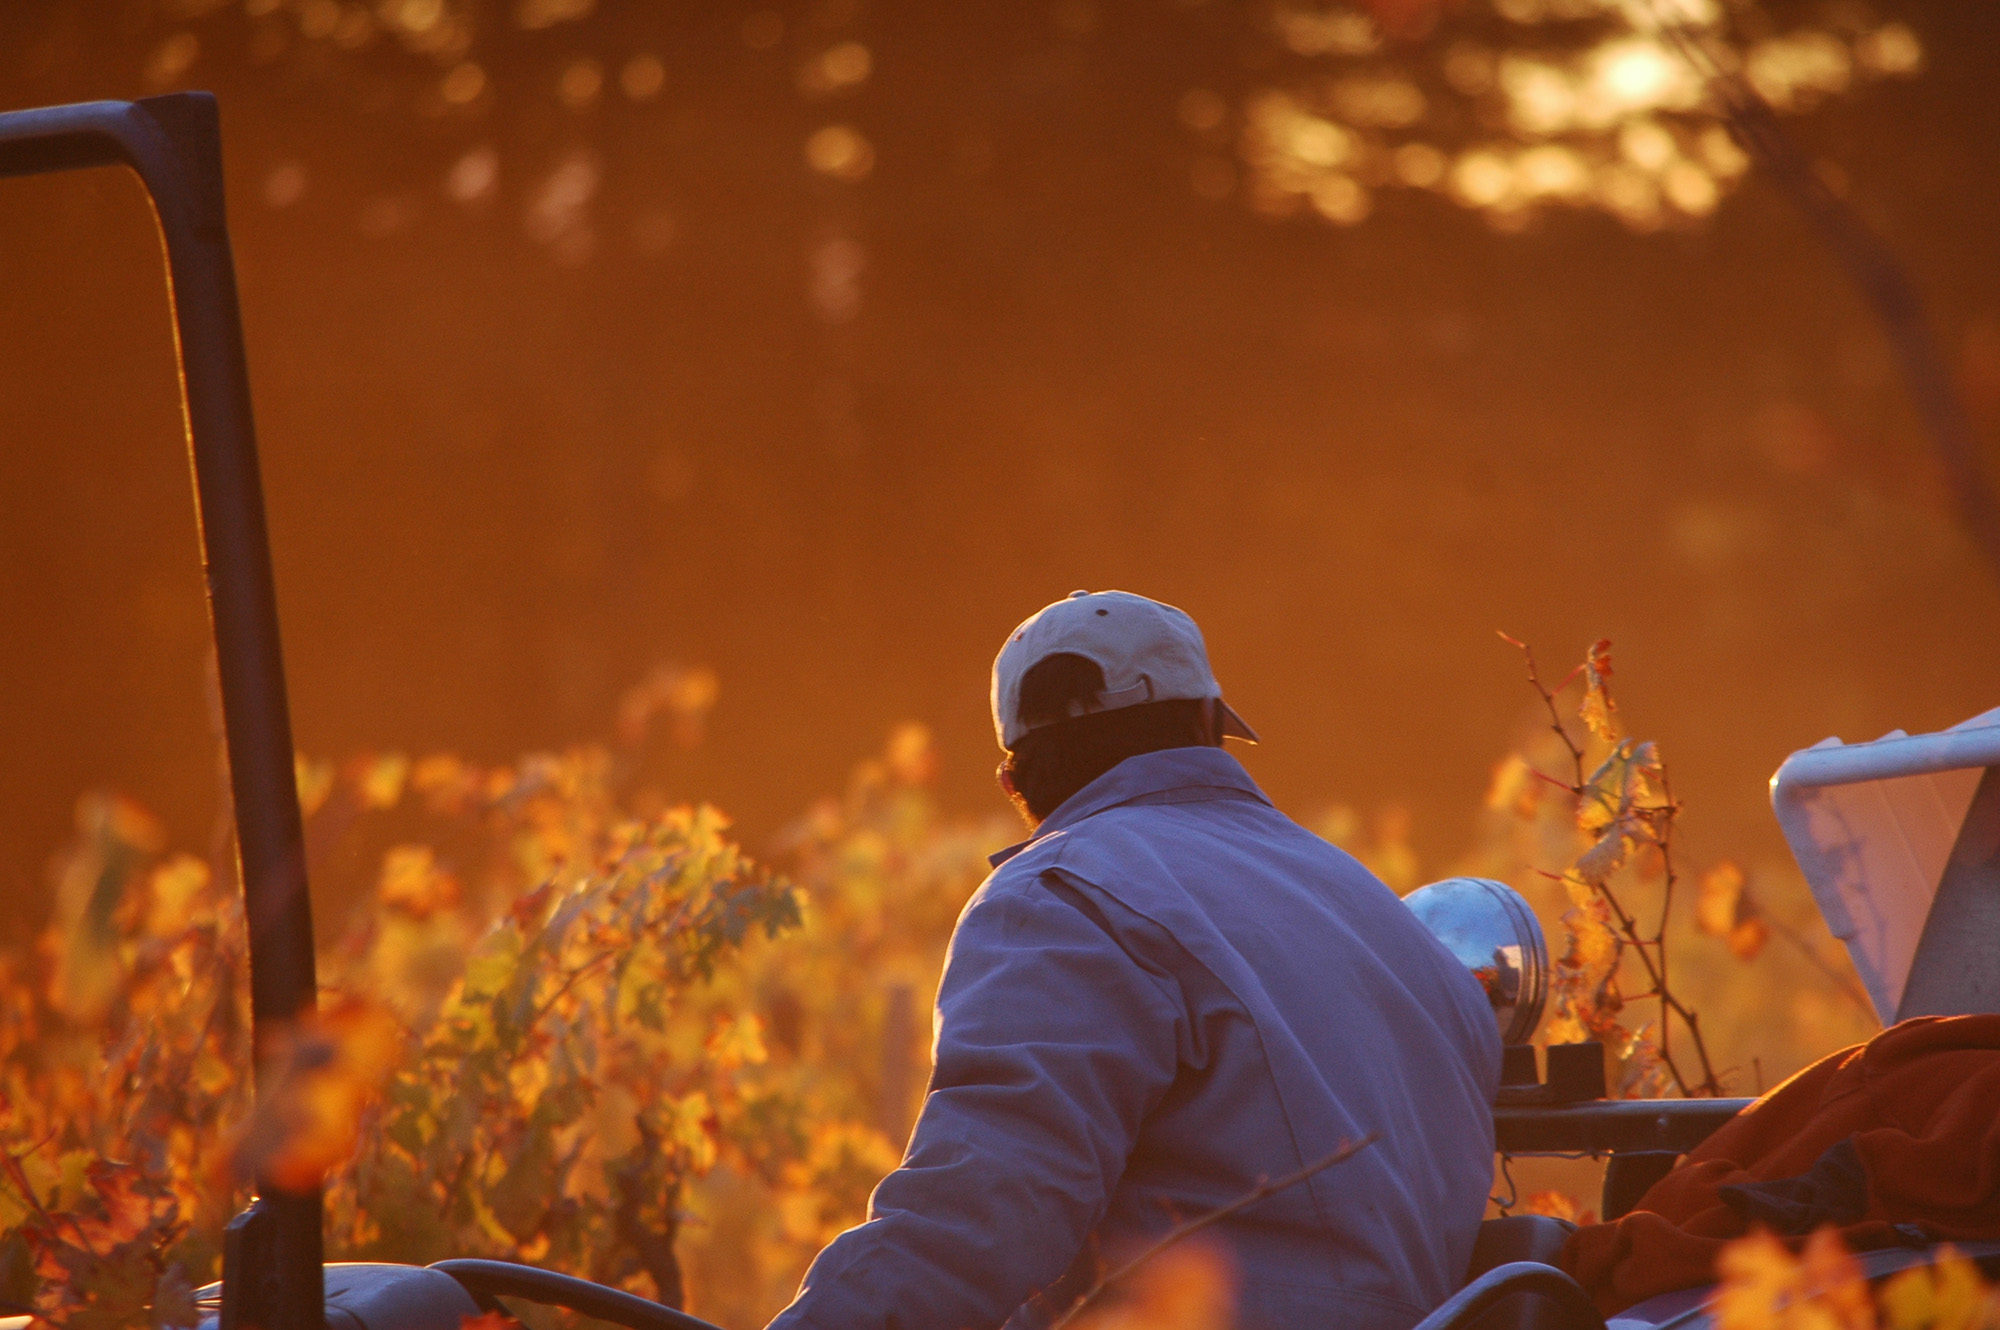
x=534 y=14
x=474 y=177
x=1647 y=145
x=642 y=77
x=1690 y=189
x=840 y=151
x=1341 y=199
x=416 y=16
x=1202 y=110
x=171 y=59
x=1481 y=178
x=1419 y=165
x=1891 y=50
x=580 y=83
x=284 y=185
x=463 y=84
x=839 y=68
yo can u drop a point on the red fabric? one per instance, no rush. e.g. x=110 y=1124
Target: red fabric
x=1921 y=1101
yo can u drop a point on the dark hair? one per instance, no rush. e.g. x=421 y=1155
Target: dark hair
x=1064 y=753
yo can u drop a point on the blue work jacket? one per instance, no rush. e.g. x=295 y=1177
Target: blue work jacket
x=1171 y=993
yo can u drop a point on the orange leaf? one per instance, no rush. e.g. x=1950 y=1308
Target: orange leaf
x=1598 y=711
x=329 y=1067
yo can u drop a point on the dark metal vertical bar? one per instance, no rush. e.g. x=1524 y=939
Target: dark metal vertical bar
x=174 y=143
x=243 y=603
x=236 y=552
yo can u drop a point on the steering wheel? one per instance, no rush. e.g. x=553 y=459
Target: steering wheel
x=487 y=1280
x=1561 y=1303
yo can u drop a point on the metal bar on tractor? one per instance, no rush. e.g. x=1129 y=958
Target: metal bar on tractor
x=174 y=144
x=1602 y=1126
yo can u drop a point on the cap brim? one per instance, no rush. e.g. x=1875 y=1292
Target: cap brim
x=1233 y=725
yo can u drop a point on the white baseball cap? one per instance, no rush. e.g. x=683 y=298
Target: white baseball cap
x=1149 y=652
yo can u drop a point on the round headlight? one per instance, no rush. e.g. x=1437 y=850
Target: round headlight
x=1490 y=929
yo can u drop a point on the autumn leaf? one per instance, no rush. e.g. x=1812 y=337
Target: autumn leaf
x=1948 y=1294
x=1598 y=712
x=175 y=890
x=1758 y=1276
x=412 y=882
x=737 y=1041
x=1596 y=864
x=1766 y=1287
x=314 y=781
x=378 y=779
x=1557 y=1205
x=1643 y=1072
x=912 y=754
x=1514 y=787
x=1723 y=909
x=1191 y=1286
x=328 y=1067
x=493 y=1320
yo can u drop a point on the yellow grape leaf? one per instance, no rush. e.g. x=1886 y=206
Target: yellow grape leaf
x=328 y=1067
x=738 y=1041
x=1189 y=1286
x=1833 y=1279
x=444 y=780
x=1596 y=864
x=1559 y=1205
x=314 y=780
x=1748 y=937
x=693 y=1130
x=527 y=1077
x=1599 y=712
x=1514 y=787
x=1909 y=1300
x=72 y=1172
x=114 y=819
x=1949 y=1294
x=1565 y=1028
x=1717 y=894
x=1723 y=909
x=1759 y=1276
x=1643 y=1071
x=911 y=756
x=1594 y=948
x=1645 y=777
x=173 y=890
x=379 y=780
x=492 y=966
x=413 y=883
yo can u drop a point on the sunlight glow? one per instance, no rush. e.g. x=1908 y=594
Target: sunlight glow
x=1586 y=103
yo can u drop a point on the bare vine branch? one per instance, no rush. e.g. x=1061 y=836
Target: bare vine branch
x=1657 y=824
x=1268 y=1187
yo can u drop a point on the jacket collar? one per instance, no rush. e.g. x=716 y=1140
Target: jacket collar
x=1138 y=778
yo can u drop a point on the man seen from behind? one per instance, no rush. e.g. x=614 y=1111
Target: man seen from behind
x=1170 y=993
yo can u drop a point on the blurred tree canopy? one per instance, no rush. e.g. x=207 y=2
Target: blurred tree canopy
x=550 y=109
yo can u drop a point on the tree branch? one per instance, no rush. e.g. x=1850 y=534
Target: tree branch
x=1347 y=1150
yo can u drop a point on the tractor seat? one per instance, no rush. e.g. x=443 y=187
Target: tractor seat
x=1537 y=1238
x=1518 y=1238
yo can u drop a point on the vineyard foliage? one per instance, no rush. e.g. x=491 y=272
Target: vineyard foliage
x=569 y=1021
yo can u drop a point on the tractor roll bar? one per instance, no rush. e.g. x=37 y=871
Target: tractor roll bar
x=174 y=144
